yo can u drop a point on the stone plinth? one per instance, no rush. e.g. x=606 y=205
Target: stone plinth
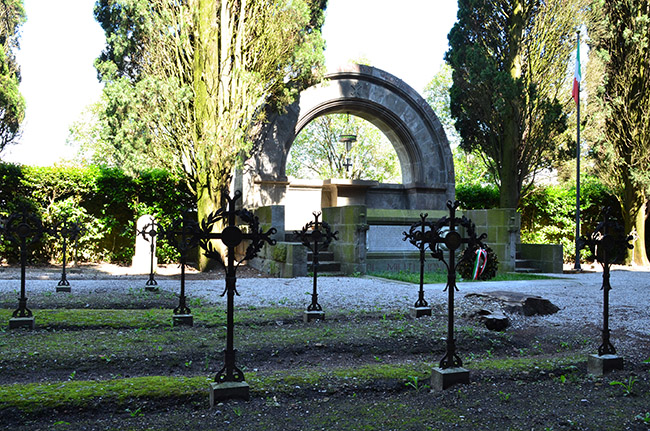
x=599 y=365
x=63 y=289
x=22 y=322
x=442 y=378
x=228 y=391
x=416 y=312
x=151 y=288
x=308 y=316
x=183 y=320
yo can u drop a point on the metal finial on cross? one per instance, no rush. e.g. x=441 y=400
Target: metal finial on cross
x=231 y=236
x=149 y=232
x=420 y=234
x=606 y=243
x=316 y=236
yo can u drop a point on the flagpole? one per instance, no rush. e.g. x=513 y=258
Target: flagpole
x=577 y=260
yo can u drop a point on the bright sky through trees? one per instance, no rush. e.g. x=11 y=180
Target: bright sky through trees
x=61 y=40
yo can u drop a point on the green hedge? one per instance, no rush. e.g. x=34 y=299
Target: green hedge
x=104 y=200
x=548 y=212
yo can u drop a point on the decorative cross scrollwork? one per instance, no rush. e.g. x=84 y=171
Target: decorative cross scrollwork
x=68 y=231
x=420 y=235
x=149 y=232
x=606 y=243
x=443 y=232
x=231 y=236
x=316 y=236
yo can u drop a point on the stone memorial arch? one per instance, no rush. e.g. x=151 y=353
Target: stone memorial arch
x=389 y=104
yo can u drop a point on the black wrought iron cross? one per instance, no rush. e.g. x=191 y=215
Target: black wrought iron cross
x=231 y=236
x=23 y=229
x=606 y=243
x=68 y=231
x=149 y=233
x=420 y=235
x=182 y=236
x=316 y=236
x=444 y=232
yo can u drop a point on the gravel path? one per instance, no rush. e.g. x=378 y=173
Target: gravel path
x=578 y=296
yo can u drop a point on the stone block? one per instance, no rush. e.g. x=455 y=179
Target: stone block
x=442 y=378
x=63 y=289
x=151 y=288
x=308 y=316
x=183 y=320
x=416 y=312
x=599 y=365
x=228 y=391
x=22 y=322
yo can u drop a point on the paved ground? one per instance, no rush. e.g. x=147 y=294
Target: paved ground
x=579 y=296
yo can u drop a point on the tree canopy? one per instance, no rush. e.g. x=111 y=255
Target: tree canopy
x=12 y=104
x=619 y=107
x=509 y=61
x=318 y=153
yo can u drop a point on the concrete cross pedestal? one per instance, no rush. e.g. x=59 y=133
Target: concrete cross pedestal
x=416 y=312
x=442 y=378
x=308 y=316
x=598 y=365
x=228 y=390
x=22 y=322
x=183 y=320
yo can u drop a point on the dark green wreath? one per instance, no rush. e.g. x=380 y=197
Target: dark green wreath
x=466 y=267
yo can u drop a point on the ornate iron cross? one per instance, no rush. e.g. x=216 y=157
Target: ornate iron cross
x=439 y=235
x=182 y=236
x=420 y=235
x=149 y=233
x=23 y=229
x=68 y=231
x=606 y=243
x=231 y=236
x=316 y=236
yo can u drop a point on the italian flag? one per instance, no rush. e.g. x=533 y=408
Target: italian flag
x=577 y=78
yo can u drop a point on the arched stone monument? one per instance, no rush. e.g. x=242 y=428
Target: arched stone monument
x=385 y=101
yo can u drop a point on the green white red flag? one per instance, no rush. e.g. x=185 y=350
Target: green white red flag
x=577 y=77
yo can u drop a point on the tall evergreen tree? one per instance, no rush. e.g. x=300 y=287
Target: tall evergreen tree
x=12 y=104
x=187 y=82
x=618 y=82
x=509 y=61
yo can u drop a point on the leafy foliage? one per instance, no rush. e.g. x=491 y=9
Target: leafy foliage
x=619 y=97
x=509 y=76
x=317 y=152
x=105 y=201
x=12 y=104
x=477 y=196
x=548 y=213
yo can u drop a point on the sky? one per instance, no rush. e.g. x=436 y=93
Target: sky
x=61 y=39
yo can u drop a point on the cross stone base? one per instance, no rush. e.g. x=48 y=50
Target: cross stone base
x=183 y=320
x=416 y=312
x=63 y=289
x=442 y=378
x=151 y=288
x=599 y=365
x=308 y=316
x=22 y=322
x=228 y=391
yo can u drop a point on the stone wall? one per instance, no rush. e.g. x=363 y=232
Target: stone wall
x=285 y=259
x=502 y=228
x=545 y=257
x=350 y=249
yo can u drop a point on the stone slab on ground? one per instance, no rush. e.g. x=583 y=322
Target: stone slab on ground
x=183 y=320
x=522 y=303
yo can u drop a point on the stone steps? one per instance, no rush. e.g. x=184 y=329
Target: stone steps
x=524 y=265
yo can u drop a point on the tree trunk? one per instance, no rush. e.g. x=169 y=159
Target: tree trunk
x=509 y=190
x=633 y=206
